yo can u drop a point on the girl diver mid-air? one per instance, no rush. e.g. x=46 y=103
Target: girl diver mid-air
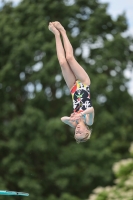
x=78 y=82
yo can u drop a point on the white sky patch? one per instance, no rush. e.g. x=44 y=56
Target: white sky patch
x=58 y=77
x=15 y=2
x=117 y=7
x=129 y=74
x=130 y=86
x=37 y=66
x=38 y=86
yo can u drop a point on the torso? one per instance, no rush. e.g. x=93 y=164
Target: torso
x=80 y=96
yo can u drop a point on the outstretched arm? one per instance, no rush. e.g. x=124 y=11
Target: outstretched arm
x=68 y=121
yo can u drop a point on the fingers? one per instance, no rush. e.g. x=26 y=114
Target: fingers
x=75 y=117
x=72 y=114
x=50 y=26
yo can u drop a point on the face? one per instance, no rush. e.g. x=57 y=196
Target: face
x=80 y=131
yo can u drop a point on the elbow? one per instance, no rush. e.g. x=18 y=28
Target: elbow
x=91 y=123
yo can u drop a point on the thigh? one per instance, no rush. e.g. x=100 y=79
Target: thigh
x=79 y=72
x=68 y=75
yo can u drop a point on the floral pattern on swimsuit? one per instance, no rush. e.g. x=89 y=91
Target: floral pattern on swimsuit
x=80 y=96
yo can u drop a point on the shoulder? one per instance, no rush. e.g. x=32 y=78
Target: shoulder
x=89 y=110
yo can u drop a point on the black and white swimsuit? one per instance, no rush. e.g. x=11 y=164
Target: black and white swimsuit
x=80 y=96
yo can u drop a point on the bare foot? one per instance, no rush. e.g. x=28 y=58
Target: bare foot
x=52 y=28
x=58 y=26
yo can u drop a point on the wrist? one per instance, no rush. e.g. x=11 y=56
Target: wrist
x=63 y=31
x=57 y=34
x=81 y=114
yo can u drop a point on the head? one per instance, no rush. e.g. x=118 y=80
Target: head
x=82 y=132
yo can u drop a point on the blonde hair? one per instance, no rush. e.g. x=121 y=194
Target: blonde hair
x=87 y=137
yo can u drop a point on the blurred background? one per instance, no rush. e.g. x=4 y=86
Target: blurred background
x=38 y=153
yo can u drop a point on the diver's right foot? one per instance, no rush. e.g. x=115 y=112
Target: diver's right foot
x=53 y=29
x=58 y=26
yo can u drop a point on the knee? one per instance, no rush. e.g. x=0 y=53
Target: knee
x=63 y=62
x=69 y=57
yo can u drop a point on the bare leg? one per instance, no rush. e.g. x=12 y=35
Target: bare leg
x=78 y=71
x=66 y=70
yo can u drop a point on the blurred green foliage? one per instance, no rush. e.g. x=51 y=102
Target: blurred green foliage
x=123 y=188
x=38 y=153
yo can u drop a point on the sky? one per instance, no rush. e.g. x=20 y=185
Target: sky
x=115 y=8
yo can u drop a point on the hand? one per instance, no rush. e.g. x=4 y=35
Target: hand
x=75 y=116
x=72 y=115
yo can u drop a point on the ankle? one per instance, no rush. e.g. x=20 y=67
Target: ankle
x=57 y=34
x=63 y=31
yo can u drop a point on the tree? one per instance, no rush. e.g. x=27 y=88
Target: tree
x=123 y=188
x=38 y=152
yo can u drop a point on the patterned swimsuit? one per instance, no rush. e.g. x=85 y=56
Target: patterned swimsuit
x=80 y=96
